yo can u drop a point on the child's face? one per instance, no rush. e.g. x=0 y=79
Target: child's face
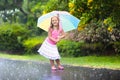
x=55 y=21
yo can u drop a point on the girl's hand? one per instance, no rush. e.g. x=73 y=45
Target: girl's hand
x=58 y=39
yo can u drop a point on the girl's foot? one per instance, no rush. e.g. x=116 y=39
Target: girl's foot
x=60 y=67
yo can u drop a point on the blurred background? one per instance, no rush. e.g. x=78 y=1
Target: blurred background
x=98 y=32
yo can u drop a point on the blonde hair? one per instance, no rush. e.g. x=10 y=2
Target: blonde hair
x=51 y=25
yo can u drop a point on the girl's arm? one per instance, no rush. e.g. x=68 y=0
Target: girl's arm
x=62 y=34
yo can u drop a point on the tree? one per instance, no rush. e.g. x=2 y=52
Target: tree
x=88 y=10
x=8 y=12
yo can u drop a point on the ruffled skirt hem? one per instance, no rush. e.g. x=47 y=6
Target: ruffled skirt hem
x=49 y=51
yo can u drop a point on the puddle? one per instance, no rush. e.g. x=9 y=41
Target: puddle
x=31 y=70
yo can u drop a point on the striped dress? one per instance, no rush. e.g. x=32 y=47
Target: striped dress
x=49 y=48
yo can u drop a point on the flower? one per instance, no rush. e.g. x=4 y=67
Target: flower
x=72 y=11
x=105 y=21
x=90 y=1
x=71 y=5
x=80 y=28
x=80 y=10
x=109 y=29
x=91 y=7
x=44 y=12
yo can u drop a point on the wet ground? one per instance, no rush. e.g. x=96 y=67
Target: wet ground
x=31 y=70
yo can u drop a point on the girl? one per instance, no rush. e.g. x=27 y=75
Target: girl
x=49 y=49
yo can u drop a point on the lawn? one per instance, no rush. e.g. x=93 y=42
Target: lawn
x=110 y=62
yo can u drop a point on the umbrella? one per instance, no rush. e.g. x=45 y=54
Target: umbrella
x=68 y=22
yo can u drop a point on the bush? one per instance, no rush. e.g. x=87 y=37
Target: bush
x=11 y=37
x=116 y=46
x=70 y=48
x=32 y=44
x=93 y=48
x=97 y=33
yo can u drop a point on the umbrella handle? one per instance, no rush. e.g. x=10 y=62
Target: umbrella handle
x=58 y=15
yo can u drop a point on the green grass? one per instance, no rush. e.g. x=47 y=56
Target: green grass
x=23 y=57
x=110 y=62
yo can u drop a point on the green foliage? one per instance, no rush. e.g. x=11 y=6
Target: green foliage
x=33 y=9
x=70 y=48
x=11 y=37
x=88 y=10
x=99 y=22
x=99 y=38
x=55 y=5
x=116 y=46
x=92 y=48
x=32 y=44
x=9 y=12
x=14 y=3
x=76 y=49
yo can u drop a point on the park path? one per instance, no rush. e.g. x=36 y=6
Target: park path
x=33 y=70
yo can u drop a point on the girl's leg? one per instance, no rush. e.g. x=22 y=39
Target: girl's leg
x=52 y=65
x=59 y=65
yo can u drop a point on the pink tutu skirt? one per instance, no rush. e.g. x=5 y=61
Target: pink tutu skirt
x=49 y=51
